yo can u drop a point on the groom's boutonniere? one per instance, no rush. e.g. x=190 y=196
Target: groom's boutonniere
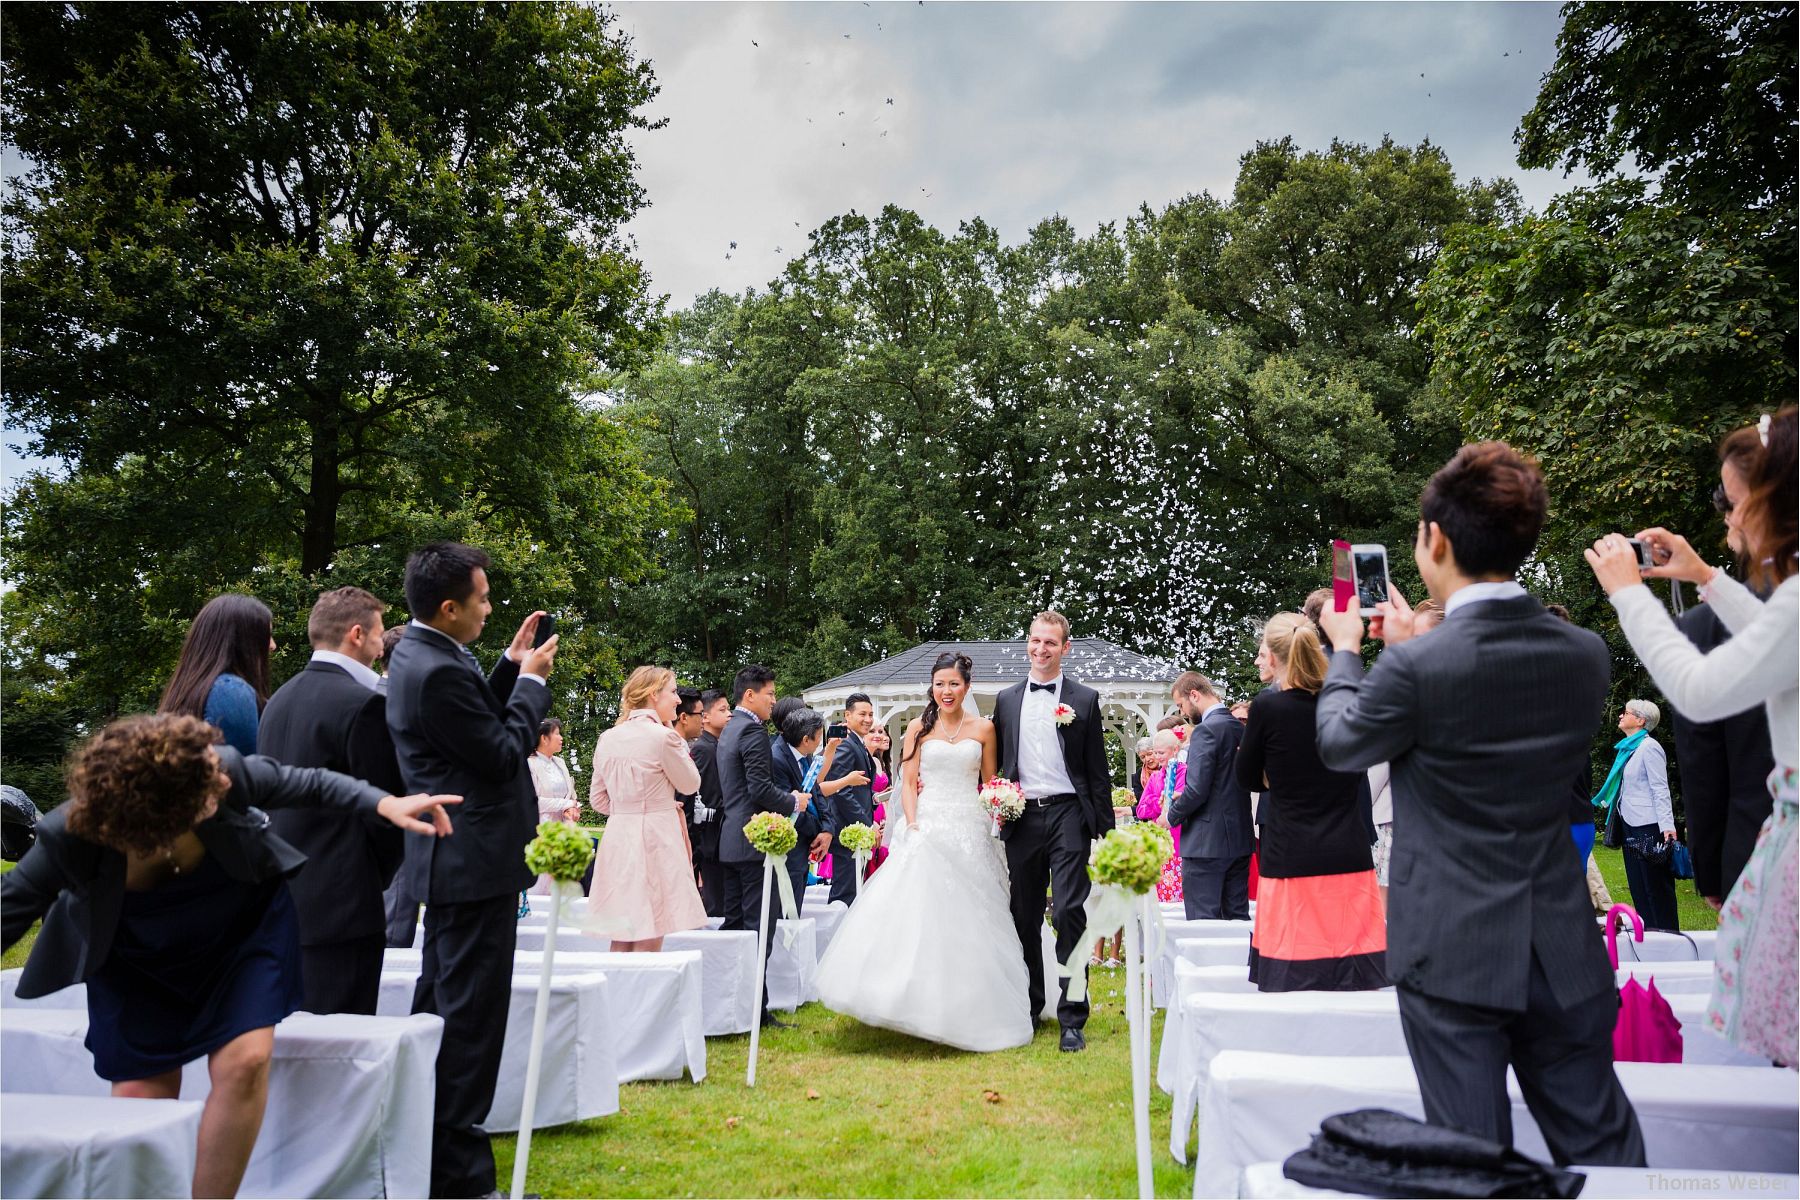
x=1064 y=715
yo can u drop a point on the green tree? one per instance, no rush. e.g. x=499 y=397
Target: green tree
x=1700 y=94
x=294 y=288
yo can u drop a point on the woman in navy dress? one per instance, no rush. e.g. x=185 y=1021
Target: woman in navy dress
x=222 y=676
x=163 y=888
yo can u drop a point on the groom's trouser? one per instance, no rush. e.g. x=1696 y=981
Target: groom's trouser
x=1048 y=847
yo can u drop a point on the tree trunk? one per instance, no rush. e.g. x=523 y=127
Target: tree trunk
x=318 y=539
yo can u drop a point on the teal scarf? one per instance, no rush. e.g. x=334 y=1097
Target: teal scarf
x=1608 y=795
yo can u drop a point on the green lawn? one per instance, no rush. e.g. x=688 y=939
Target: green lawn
x=1691 y=910
x=843 y=1110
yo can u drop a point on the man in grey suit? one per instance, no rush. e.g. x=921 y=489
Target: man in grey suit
x=1213 y=809
x=1491 y=940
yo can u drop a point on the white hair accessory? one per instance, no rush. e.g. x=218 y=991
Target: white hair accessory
x=1762 y=429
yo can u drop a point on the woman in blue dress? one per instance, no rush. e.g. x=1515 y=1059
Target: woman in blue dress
x=163 y=889
x=222 y=676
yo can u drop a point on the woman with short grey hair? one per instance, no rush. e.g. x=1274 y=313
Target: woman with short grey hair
x=1646 y=817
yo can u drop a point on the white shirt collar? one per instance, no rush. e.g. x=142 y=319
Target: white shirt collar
x=1055 y=686
x=1475 y=593
x=795 y=751
x=415 y=623
x=357 y=671
x=741 y=709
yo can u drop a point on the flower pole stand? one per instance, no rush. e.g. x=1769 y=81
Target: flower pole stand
x=563 y=853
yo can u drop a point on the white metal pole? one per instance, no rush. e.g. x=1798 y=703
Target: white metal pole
x=534 y=1060
x=762 y=966
x=1140 y=1092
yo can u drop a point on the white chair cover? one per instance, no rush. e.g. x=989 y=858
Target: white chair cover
x=81 y=1146
x=1264 y=1181
x=1344 y=1024
x=373 y=1075
x=580 y=1073
x=658 y=1025
x=1262 y=1107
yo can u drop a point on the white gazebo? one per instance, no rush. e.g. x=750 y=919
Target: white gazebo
x=1134 y=689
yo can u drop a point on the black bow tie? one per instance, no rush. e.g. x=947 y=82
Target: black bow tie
x=1043 y=687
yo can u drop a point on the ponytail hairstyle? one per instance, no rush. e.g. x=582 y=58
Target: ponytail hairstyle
x=1292 y=640
x=946 y=661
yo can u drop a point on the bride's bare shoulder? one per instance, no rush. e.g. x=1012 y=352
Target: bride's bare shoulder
x=984 y=729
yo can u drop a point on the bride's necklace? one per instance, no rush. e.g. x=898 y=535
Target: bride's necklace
x=962 y=719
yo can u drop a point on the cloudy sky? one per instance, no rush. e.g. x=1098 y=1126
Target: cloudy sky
x=782 y=115
x=779 y=115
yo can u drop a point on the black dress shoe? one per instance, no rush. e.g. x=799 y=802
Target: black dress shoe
x=771 y=1021
x=1072 y=1040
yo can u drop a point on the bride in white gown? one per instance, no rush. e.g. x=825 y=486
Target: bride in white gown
x=929 y=948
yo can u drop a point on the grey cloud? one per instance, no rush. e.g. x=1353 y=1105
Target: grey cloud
x=1016 y=112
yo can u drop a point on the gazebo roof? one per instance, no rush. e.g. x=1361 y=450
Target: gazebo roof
x=1091 y=660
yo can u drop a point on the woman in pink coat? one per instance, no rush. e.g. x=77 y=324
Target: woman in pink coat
x=643 y=875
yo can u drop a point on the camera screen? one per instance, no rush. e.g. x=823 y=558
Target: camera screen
x=1371 y=579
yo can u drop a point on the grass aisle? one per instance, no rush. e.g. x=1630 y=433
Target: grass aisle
x=894 y=1116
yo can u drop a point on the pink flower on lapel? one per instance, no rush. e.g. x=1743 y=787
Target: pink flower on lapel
x=1064 y=715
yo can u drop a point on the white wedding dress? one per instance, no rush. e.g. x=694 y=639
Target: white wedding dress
x=929 y=947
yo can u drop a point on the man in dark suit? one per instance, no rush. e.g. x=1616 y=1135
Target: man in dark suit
x=1051 y=744
x=855 y=803
x=791 y=762
x=747 y=787
x=1725 y=769
x=458 y=731
x=1491 y=940
x=706 y=817
x=331 y=715
x=1213 y=809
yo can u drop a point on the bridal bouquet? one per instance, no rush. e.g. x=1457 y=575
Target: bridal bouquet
x=771 y=833
x=1003 y=799
x=858 y=838
x=560 y=851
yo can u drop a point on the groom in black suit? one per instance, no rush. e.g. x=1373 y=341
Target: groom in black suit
x=333 y=715
x=459 y=731
x=1051 y=745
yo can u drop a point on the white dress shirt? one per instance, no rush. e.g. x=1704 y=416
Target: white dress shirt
x=1475 y=593
x=357 y=671
x=523 y=674
x=1042 y=771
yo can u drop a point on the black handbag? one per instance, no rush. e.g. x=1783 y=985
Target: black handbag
x=1650 y=847
x=1609 y=836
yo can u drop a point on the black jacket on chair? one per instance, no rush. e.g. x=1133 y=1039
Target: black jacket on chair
x=1213 y=810
x=457 y=733
x=78 y=886
x=746 y=785
x=322 y=717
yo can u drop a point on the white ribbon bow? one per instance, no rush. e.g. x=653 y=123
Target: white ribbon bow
x=1108 y=907
x=784 y=887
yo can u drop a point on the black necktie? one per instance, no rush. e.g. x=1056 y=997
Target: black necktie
x=1043 y=687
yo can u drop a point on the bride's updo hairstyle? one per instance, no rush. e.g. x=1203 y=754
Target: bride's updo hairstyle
x=963 y=666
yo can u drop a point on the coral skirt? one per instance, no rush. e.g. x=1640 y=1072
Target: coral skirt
x=643 y=879
x=1319 y=933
